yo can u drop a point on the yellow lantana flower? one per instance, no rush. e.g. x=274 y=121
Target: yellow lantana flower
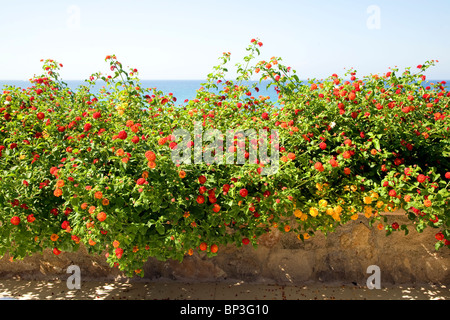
x=298 y=213
x=336 y=217
x=313 y=211
x=367 y=200
x=338 y=210
x=368 y=211
x=323 y=203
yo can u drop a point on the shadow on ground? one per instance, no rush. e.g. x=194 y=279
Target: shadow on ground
x=145 y=290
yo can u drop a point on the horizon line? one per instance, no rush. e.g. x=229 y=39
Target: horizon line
x=307 y=79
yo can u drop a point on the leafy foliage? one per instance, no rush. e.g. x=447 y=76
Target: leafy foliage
x=78 y=167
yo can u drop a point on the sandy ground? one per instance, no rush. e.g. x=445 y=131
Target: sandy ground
x=145 y=290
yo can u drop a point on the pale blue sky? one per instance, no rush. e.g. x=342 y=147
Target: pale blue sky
x=182 y=39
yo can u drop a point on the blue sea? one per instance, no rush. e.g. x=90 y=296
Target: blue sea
x=181 y=89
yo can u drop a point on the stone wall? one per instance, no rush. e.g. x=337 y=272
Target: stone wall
x=280 y=258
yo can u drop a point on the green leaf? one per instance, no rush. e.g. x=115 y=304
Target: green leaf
x=405 y=228
x=420 y=227
x=438 y=245
x=160 y=229
x=376 y=143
